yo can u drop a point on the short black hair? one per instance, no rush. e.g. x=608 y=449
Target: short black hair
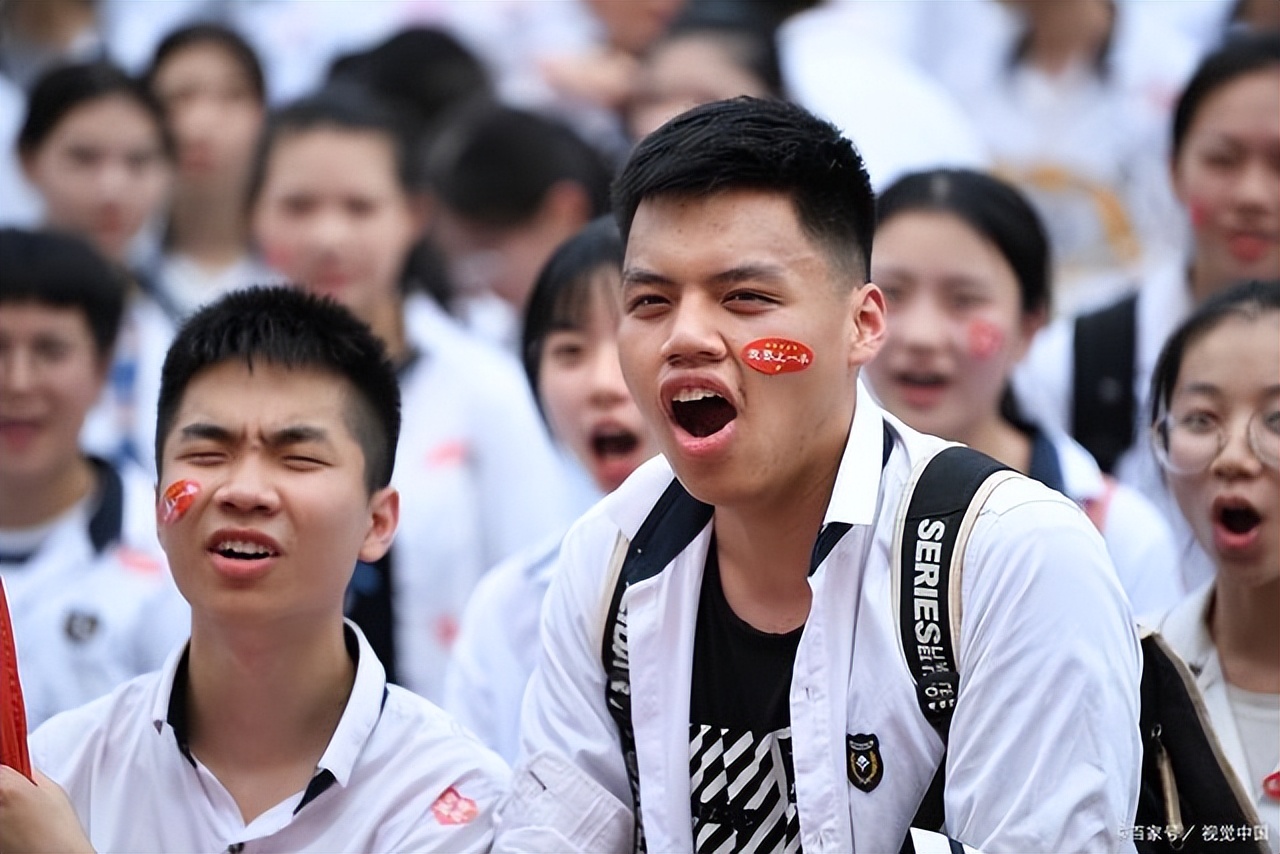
x=63 y=271
x=1240 y=54
x=564 y=290
x=231 y=42
x=760 y=144
x=494 y=164
x=1248 y=300
x=993 y=208
x=66 y=87
x=422 y=71
x=343 y=107
x=291 y=328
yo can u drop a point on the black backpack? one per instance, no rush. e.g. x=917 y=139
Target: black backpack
x=1187 y=788
x=1103 y=408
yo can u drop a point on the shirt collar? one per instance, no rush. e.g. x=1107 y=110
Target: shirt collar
x=359 y=717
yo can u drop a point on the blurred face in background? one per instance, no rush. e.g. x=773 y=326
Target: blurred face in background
x=1227 y=175
x=333 y=216
x=214 y=114
x=683 y=72
x=955 y=319
x=102 y=172
x=583 y=395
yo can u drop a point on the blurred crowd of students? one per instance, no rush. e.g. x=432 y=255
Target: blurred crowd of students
x=432 y=166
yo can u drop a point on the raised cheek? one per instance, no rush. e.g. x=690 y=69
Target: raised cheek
x=984 y=339
x=176 y=500
x=1198 y=210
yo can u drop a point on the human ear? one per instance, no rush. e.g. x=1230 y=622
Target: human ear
x=384 y=517
x=868 y=326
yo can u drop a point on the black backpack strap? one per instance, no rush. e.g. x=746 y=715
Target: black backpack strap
x=675 y=520
x=1103 y=408
x=938 y=510
x=1188 y=789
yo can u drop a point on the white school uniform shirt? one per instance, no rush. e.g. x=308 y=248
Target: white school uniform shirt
x=1185 y=627
x=497 y=648
x=397 y=775
x=1044 y=748
x=94 y=606
x=1044 y=380
x=478 y=479
x=122 y=424
x=1139 y=541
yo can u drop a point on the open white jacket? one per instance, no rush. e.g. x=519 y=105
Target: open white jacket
x=1044 y=750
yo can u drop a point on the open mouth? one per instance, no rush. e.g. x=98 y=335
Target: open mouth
x=923 y=380
x=613 y=442
x=701 y=412
x=243 y=550
x=1239 y=519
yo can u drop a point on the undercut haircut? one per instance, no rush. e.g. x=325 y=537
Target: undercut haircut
x=290 y=328
x=759 y=144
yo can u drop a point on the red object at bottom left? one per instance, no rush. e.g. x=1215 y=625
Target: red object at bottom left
x=13 y=714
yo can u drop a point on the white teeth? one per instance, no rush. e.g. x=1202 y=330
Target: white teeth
x=243 y=547
x=688 y=395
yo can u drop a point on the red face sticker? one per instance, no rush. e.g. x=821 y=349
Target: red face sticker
x=985 y=339
x=1198 y=212
x=1271 y=786
x=777 y=356
x=453 y=808
x=176 y=501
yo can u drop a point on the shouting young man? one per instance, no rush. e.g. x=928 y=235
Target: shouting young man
x=722 y=668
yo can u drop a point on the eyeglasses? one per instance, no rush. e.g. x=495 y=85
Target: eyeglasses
x=1188 y=442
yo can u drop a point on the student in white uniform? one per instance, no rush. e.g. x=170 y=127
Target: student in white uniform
x=95 y=147
x=88 y=589
x=755 y=658
x=1215 y=418
x=1225 y=147
x=570 y=347
x=964 y=265
x=336 y=210
x=274 y=728
x=211 y=85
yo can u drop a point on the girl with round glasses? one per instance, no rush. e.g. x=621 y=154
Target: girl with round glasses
x=1215 y=416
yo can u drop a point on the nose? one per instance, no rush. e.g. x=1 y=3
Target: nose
x=1236 y=458
x=607 y=386
x=1258 y=185
x=918 y=324
x=692 y=333
x=247 y=488
x=17 y=370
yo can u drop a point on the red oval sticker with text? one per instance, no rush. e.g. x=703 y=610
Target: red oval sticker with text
x=777 y=356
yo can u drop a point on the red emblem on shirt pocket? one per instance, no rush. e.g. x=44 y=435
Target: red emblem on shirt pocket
x=453 y=808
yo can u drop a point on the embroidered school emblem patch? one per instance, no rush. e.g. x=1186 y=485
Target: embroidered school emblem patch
x=865 y=767
x=452 y=808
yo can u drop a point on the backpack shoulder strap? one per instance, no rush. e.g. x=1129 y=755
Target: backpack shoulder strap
x=942 y=501
x=1102 y=400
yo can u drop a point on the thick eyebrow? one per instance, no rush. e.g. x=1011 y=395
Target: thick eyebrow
x=292 y=435
x=749 y=272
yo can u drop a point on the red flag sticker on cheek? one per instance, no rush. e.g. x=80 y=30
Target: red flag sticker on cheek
x=177 y=500
x=777 y=356
x=452 y=808
x=985 y=339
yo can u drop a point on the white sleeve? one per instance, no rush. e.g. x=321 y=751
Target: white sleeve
x=1141 y=544
x=1044 y=752
x=565 y=723
x=520 y=477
